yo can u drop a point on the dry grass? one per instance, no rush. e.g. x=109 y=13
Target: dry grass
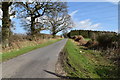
x=20 y=44
x=16 y=52
x=18 y=41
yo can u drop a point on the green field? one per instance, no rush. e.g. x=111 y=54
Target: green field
x=12 y=54
x=84 y=63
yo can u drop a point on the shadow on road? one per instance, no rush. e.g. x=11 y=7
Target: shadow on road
x=63 y=77
x=56 y=74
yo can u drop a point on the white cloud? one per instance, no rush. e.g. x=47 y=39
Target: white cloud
x=73 y=13
x=28 y=18
x=87 y=25
x=84 y=24
x=41 y=19
x=11 y=11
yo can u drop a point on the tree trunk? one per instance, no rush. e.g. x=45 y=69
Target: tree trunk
x=5 y=24
x=33 y=27
x=53 y=31
x=54 y=35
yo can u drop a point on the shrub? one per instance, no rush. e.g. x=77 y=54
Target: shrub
x=89 y=43
x=107 y=40
x=93 y=36
x=17 y=37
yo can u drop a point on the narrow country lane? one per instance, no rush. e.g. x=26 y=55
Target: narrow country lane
x=34 y=64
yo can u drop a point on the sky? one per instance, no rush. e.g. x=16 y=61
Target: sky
x=101 y=16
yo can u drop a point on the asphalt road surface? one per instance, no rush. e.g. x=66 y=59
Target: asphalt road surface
x=39 y=63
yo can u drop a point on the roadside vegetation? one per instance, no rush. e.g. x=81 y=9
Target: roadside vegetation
x=81 y=62
x=33 y=17
x=88 y=54
x=16 y=52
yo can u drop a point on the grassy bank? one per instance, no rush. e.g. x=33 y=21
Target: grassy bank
x=84 y=63
x=12 y=54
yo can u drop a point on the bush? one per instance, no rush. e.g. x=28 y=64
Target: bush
x=89 y=43
x=17 y=37
x=107 y=40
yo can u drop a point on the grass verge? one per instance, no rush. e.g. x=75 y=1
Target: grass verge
x=15 y=53
x=84 y=63
x=87 y=39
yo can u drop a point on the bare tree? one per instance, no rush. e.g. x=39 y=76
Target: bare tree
x=59 y=20
x=32 y=11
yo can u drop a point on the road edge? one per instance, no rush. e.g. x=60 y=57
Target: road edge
x=59 y=67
